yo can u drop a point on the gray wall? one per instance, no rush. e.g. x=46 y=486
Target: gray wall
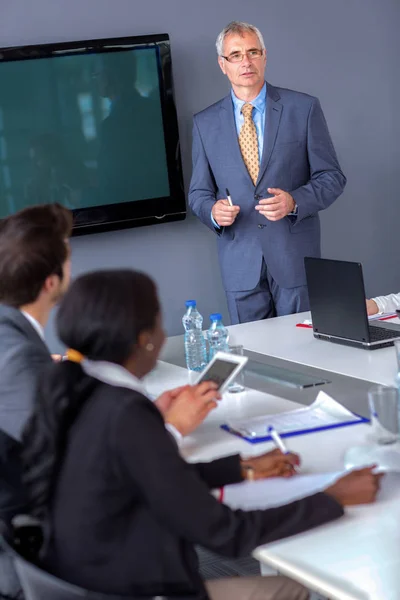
x=345 y=52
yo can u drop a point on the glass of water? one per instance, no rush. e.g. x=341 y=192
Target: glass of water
x=397 y=349
x=237 y=384
x=384 y=412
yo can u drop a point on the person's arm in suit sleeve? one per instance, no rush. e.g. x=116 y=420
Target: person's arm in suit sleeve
x=216 y=473
x=28 y=366
x=202 y=190
x=326 y=181
x=220 y=472
x=180 y=500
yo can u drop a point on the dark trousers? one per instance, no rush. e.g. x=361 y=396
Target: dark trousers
x=266 y=300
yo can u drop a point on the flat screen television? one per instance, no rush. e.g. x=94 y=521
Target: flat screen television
x=91 y=125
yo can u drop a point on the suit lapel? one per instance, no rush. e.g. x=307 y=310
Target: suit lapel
x=272 y=122
x=229 y=133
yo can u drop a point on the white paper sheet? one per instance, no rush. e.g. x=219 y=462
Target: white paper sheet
x=387 y=458
x=382 y=317
x=276 y=491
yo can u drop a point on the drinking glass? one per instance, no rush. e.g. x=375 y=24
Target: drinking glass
x=237 y=384
x=384 y=411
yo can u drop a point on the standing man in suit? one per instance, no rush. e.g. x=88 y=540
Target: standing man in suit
x=271 y=148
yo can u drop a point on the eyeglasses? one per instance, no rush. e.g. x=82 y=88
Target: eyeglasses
x=237 y=57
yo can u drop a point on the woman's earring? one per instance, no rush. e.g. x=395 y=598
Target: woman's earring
x=149 y=347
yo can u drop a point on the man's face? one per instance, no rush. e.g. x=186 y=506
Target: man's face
x=249 y=73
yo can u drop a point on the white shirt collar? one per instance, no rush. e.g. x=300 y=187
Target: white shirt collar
x=113 y=374
x=35 y=324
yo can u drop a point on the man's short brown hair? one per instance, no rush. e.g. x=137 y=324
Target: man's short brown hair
x=32 y=247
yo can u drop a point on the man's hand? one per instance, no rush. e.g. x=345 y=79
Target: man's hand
x=278 y=206
x=358 y=487
x=223 y=213
x=271 y=464
x=190 y=406
x=372 y=307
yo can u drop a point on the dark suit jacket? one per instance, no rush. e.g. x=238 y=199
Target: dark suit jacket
x=23 y=355
x=298 y=156
x=128 y=510
x=12 y=494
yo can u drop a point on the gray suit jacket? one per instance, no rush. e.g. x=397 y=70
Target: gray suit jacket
x=298 y=156
x=23 y=355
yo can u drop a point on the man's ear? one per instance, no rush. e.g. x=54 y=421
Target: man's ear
x=50 y=283
x=221 y=62
x=265 y=57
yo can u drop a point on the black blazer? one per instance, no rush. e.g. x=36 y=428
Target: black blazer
x=12 y=492
x=128 y=510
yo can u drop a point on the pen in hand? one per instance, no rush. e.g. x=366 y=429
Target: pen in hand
x=228 y=196
x=280 y=444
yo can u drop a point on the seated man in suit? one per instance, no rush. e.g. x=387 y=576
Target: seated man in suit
x=34 y=274
x=383 y=304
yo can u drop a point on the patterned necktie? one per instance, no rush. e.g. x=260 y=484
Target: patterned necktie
x=248 y=143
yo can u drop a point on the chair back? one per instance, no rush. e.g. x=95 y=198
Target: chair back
x=38 y=584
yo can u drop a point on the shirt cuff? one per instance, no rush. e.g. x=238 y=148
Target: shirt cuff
x=295 y=211
x=214 y=222
x=178 y=437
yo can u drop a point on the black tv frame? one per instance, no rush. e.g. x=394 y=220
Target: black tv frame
x=138 y=212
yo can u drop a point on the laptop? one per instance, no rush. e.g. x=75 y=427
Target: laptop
x=337 y=302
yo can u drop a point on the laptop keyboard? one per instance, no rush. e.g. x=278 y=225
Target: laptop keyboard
x=379 y=333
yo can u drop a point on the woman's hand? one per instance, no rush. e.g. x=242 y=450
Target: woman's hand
x=271 y=464
x=166 y=399
x=358 y=487
x=186 y=408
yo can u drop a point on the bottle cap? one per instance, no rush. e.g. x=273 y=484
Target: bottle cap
x=216 y=317
x=190 y=303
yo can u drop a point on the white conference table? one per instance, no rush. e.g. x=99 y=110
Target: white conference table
x=356 y=557
x=280 y=338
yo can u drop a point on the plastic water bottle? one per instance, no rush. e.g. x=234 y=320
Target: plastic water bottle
x=195 y=344
x=217 y=336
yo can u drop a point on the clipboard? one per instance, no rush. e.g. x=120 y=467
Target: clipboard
x=323 y=414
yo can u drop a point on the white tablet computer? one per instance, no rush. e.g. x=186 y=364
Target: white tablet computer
x=223 y=369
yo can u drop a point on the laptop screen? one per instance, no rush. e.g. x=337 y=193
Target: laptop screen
x=337 y=298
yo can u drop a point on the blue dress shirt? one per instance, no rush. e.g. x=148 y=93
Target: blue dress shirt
x=258 y=115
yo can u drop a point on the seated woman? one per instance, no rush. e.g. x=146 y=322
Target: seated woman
x=383 y=304
x=122 y=510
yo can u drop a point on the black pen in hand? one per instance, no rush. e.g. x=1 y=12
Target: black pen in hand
x=228 y=196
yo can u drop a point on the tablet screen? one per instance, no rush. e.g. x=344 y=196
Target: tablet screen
x=219 y=372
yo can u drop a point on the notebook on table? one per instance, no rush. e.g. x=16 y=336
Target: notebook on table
x=324 y=413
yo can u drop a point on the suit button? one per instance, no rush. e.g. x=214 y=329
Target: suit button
x=256 y=197
x=260 y=226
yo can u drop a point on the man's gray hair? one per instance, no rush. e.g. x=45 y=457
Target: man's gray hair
x=238 y=27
